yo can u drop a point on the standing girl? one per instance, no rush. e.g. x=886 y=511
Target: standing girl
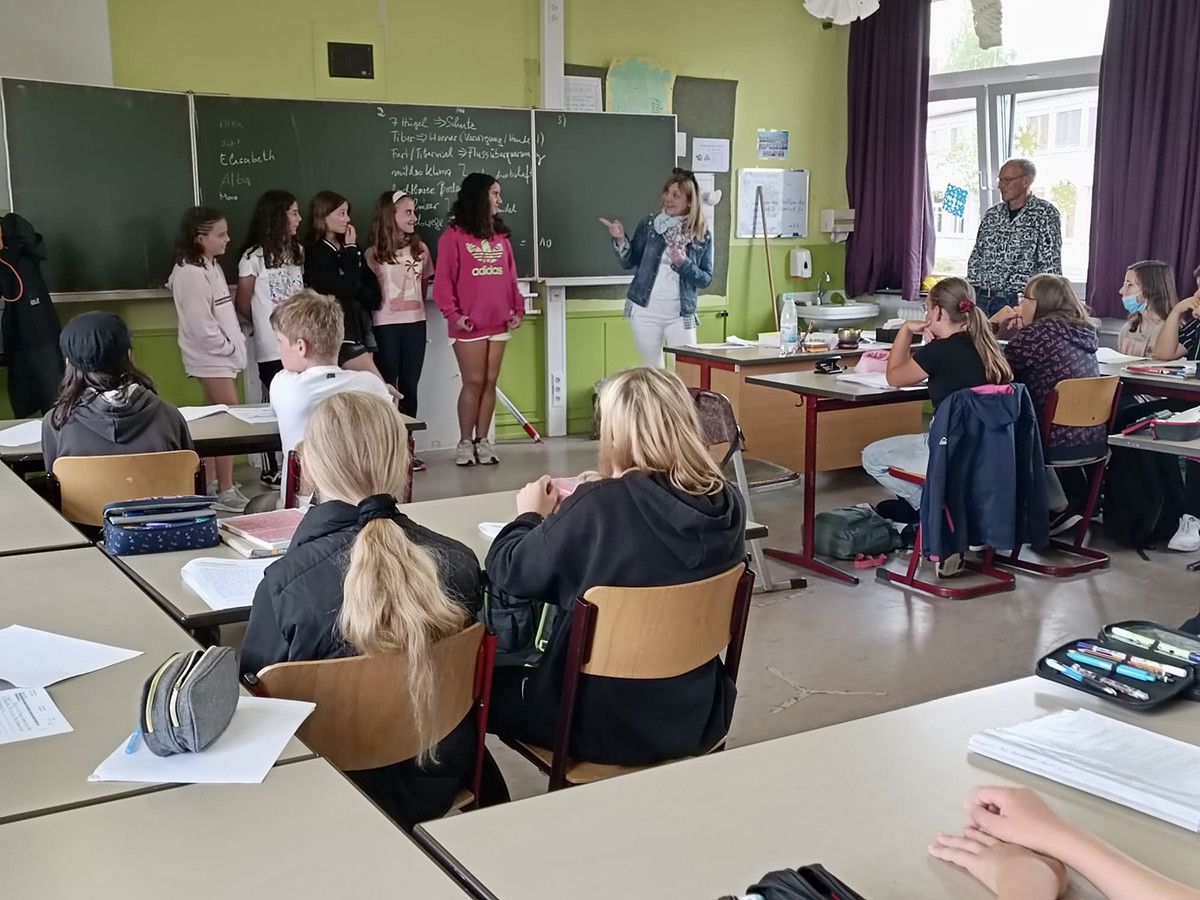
x=1148 y=295
x=673 y=254
x=333 y=265
x=476 y=290
x=212 y=344
x=269 y=271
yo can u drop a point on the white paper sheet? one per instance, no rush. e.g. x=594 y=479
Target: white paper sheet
x=253 y=415
x=582 y=93
x=1108 y=355
x=710 y=154
x=192 y=413
x=244 y=754
x=873 y=379
x=680 y=144
x=20 y=435
x=225 y=583
x=490 y=529
x=33 y=658
x=27 y=713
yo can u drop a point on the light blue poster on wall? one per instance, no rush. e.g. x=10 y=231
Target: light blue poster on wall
x=637 y=85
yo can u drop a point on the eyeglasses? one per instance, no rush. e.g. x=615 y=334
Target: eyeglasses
x=1003 y=180
x=1025 y=298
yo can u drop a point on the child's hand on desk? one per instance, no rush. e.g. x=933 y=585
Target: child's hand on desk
x=1005 y=869
x=1018 y=816
x=539 y=497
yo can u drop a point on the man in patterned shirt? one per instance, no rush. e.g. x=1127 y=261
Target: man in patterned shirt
x=1018 y=238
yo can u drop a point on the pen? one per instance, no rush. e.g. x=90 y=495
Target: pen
x=1109 y=666
x=134 y=740
x=1131 y=692
x=1165 y=672
x=1153 y=666
x=1081 y=675
x=1178 y=653
x=1130 y=637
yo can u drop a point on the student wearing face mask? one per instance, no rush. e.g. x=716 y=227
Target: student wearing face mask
x=1148 y=296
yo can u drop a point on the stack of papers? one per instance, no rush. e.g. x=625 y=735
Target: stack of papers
x=267 y=531
x=33 y=658
x=870 y=379
x=1153 y=774
x=225 y=583
x=20 y=435
x=253 y=415
x=1108 y=355
x=192 y=413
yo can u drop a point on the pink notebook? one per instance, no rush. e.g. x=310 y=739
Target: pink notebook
x=269 y=530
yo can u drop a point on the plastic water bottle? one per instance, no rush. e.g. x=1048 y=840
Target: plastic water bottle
x=789 y=329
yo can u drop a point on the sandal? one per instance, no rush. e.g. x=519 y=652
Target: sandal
x=863 y=561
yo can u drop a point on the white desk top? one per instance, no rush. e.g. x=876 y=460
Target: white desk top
x=28 y=522
x=304 y=832
x=81 y=594
x=864 y=798
x=1142 y=440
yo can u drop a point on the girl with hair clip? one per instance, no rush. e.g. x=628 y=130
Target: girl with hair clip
x=210 y=341
x=360 y=577
x=1056 y=342
x=476 y=290
x=960 y=352
x=658 y=512
x=333 y=265
x=672 y=252
x=269 y=271
x=401 y=262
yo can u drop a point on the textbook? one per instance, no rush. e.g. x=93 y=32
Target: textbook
x=268 y=530
x=224 y=583
x=247 y=550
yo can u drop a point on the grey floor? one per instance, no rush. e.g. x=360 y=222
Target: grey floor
x=834 y=652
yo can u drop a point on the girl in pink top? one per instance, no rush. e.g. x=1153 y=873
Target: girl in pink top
x=476 y=290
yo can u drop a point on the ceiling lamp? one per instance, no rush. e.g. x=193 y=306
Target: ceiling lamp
x=841 y=12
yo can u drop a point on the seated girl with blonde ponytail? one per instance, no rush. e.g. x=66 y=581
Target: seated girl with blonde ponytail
x=361 y=578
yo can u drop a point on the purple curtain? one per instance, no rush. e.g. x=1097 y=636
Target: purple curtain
x=1147 y=180
x=886 y=176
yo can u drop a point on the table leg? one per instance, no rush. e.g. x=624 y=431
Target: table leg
x=705 y=375
x=806 y=558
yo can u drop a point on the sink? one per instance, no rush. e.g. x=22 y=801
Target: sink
x=839 y=315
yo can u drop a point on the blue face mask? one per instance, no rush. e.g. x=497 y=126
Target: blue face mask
x=1133 y=304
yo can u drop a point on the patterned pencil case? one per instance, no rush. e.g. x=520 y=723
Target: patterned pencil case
x=159 y=525
x=189 y=701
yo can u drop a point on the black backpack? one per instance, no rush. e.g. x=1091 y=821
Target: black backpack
x=1143 y=491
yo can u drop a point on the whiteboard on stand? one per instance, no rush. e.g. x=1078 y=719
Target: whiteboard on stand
x=785 y=196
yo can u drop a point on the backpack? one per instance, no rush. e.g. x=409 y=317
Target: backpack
x=522 y=627
x=1143 y=491
x=844 y=533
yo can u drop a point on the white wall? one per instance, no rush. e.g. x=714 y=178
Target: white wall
x=53 y=40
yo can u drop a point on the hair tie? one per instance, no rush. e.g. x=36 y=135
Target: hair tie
x=377 y=506
x=965 y=306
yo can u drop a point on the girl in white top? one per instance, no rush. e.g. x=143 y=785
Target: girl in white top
x=270 y=270
x=210 y=341
x=401 y=262
x=1148 y=295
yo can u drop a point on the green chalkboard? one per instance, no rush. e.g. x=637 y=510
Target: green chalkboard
x=247 y=146
x=104 y=174
x=591 y=165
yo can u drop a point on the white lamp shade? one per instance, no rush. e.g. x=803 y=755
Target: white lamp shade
x=841 y=12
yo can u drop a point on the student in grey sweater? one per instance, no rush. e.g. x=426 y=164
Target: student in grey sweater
x=106 y=405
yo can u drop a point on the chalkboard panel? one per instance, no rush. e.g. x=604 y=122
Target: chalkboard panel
x=104 y=174
x=247 y=146
x=591 y=165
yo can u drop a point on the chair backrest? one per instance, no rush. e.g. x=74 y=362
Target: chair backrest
x=291 y=480
x=661 y=632
x=717 y=421
x=87 y=483
x=364 y=716
x=1083 y=402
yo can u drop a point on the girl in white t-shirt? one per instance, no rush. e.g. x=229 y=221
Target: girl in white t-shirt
x=269 y=271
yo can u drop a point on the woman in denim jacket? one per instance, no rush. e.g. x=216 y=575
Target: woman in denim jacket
x=673 y=255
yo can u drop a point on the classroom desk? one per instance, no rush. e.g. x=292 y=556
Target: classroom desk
x=280 y=838
x=1187 y=389
x=1142 y=441
x=77 y=593
x=864 y=798
x=773 y=425
x=458 y=517
x=30 y=524
x=825 y=394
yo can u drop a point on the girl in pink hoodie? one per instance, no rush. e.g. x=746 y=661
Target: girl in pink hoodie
x=476 y=290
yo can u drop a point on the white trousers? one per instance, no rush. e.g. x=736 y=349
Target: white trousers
x=659 y=320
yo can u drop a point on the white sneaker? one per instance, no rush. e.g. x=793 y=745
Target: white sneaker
x=231 y=500
x=484 y=453
x=951 y=566
x=465 y=453
x=1187 y=538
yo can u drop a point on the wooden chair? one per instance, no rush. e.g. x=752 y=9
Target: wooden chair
x=1077 y=403
x=364 y=717
x=656 y=632
x=291 y=480
x=83 y=485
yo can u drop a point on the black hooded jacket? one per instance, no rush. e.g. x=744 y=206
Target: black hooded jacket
x=28 y=324
x=633 y=531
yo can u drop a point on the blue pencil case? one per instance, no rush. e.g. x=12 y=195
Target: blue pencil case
x=160 y=525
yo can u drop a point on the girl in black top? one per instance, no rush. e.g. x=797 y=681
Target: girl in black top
x=659 y=512
x=360 y=577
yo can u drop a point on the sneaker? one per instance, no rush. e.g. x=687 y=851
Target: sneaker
x=484 y=453
x=213 y=488
x=1067 y=519
x=418 y=465
x=231 y=500
x=1187 y=538
x=897 y=510
x=271 y=479
x=950 y=566
x=465 y=453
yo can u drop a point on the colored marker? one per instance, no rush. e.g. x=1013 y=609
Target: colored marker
x=134 y=740
x=1110 y=666
x=1153 y=666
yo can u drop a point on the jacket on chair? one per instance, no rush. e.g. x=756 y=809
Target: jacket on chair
x=986 y=482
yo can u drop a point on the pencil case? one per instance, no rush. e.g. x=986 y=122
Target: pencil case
x=813 y=882
x=1157 y=693
x=159 y=525
x=189 y=701
x=1174 y=637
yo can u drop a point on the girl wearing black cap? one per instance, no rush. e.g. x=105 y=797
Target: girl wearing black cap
x=106 y=405
x=361 y=578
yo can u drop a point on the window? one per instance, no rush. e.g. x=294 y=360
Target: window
x=1035 y=96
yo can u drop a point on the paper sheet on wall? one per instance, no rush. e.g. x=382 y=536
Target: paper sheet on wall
x=28 y=713
x=680 y=144
x=637 y=85
x=772 y=144
x=20 y=435
x=582 y=93
x=785 y=196
x=33 y=658
x=710 y=154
